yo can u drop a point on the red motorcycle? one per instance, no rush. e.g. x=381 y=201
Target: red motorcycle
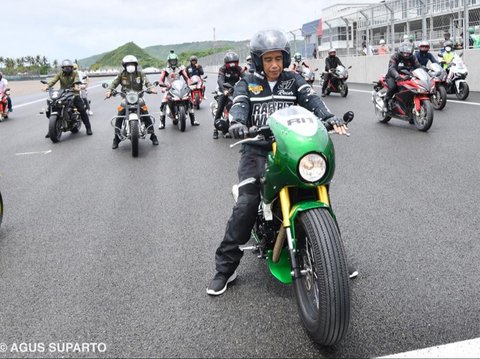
x=4 y=104
x=412 y=101
x=197 y=88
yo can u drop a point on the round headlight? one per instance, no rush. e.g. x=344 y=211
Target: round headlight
x=312 y=167
x=132 y=98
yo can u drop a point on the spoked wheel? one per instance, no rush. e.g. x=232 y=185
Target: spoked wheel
x=134 y=135
x=439 y=98
x=182 y=118
x=323 y=291
x=55 y=128
x=463 y=91
x=423 y=121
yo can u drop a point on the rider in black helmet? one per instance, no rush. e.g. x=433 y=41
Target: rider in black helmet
x=256 y=97
x=69 y=80
x=229 y=73
x=402 y=59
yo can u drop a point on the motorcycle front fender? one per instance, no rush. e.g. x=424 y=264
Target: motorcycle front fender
x=418 y=101
x=457 y=84
x=282 y=270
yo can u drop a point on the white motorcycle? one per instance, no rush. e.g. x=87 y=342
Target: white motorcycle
x=457 y=74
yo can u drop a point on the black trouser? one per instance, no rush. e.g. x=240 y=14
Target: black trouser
x=222 y=100
x=326 y=78
x=242 y=220
x=392 y=88
x=78 y=102
x=146 y=120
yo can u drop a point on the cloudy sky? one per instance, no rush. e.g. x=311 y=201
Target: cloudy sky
x=80 y=28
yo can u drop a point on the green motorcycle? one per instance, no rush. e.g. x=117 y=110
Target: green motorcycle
x=296 y=230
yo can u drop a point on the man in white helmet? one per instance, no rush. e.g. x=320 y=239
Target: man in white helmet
x=131 y=78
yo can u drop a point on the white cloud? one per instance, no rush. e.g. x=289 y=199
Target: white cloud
x=78 y=29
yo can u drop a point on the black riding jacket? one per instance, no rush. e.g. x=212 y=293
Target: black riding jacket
x=396 y=64
x=230 y=75
x=254 y=101
x=332 y=62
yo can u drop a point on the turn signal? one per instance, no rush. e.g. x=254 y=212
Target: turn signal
x=145 y=108
x=120 y=108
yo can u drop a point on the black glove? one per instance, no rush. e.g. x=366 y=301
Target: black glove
x=330 y=122
x=238 y=130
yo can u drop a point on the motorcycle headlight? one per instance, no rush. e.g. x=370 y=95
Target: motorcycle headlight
x=132 y=98
x=312 y=167
x=55 y=95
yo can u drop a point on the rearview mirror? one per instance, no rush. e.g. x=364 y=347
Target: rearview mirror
x=348 y=116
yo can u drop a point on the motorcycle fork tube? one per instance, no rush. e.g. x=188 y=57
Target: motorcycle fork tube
x=323 y=195
x=285 y=206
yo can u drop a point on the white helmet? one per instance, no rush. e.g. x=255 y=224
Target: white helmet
x=129 y=59
x=382 y=42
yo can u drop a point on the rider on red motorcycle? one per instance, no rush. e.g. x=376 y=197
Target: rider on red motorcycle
x=194 y=69
x=4 y=89
x=231 y=72
x=403 y=59
x=423 y=55
x=331 y=63
x=169 y=74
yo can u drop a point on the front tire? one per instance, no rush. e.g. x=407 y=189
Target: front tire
x=323 y=291
x=344 y=90
x=381 y=116
x=439 y=99
x=197 y=101
x=134 y=135
x=182 y=118
x=424 y=121
x=55 y=128
x=463 y=91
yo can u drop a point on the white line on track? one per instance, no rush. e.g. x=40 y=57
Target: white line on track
x=42 y=99
x=453 y=101
x=463 y=349
x=33 y=153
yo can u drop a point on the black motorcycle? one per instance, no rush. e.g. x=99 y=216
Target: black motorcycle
x=62 y=114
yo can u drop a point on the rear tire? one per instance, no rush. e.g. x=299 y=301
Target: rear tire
x=323 y=292
x=463 y=92
x=182 y=118
x=134 y=135
x=424 y=122
x=55 y=128
x=439 y=100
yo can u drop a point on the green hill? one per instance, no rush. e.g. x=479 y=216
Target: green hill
x=209 y=47
x=113 y=59
x=156 y=55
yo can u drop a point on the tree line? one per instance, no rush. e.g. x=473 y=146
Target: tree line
x=31 y=65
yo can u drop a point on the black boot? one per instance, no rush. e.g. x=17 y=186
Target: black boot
x=215 y=134
x=47 y=135
x=115 y=143
x=192 y=120
x=162 y=122
x=89 y=131
x=154 y=139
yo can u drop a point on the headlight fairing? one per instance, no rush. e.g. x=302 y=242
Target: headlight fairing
x=312 y=167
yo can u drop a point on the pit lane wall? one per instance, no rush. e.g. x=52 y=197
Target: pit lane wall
x=366 y=69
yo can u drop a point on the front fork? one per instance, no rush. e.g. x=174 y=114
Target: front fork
x=286 y=213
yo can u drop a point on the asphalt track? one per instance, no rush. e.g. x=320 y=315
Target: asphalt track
x=100 y=247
